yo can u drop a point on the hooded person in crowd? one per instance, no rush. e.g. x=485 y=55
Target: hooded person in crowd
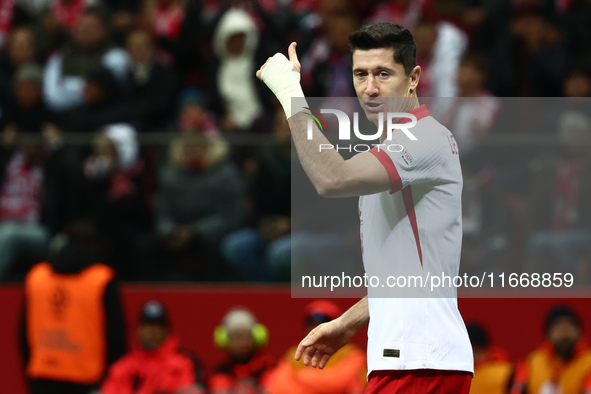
x=239 y=99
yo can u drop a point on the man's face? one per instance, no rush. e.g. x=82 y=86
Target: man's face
x=89 y=31
x=376 y=76
x=564 y=335
x=28 y=93
x=241 y=344
x=139 y=46
x=236 y=43
x=152 y=335
x=21 y=46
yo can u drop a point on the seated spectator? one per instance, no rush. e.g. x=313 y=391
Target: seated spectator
x=22 y=233
x=245 y=367
x=103 y=104
x=90 y=47
x=200 y=200
x=28 y=112
x=20 y=49
x=115 y=196
x=559 y=219
x=402 y=12
x=68 y=12
x=264 y=251
x=529 y=58
x=38 y=194
x=326 y=66
x=345 y=372
x=158 y=364
x=561 y=363
x=193 y=116
x=153 y=85
x=73 y=326
x=492 y=369
x=475 y=116
x=577 y=83
x=440 y=47
x=485 y=218
x=239 y=98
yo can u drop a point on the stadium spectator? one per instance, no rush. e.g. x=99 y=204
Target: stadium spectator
x=485 y=218
x=158 y=364
x=473 y=113
x=38 y=194
x=153 y=85
x=193 y=114
x=402 y=12
x=264 y=251
x=164 y=19
x=22 y=233
x=328 y=61
x=238 y=98
x=27 y=112
x=200 y=201
x=440 y=47
x=577 y=83
x=528 y=59
x=73 y=326
x=345 y=373
x=68 y=12
x=561 y=363
x=559 y=219
x=20 y=49
x=245 y=367
x=124 y=15
x=116 y=200
x=89 y=48
x=104 y=104
x=492 y=369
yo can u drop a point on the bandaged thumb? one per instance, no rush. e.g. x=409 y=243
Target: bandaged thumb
x=284 y=82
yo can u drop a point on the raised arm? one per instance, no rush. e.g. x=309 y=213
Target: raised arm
x=331 y=175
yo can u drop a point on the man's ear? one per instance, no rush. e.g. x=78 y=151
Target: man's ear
x=415 y=76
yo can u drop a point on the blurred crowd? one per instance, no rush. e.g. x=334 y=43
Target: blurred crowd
x=85 y=83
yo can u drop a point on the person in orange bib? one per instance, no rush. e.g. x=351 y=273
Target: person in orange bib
x=345 y=372
x=561 y=363
x=73 y=326
x=492 y=369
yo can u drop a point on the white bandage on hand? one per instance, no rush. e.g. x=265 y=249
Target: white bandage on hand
x=284 y=82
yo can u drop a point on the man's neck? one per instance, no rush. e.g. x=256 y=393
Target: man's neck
x=410 y=103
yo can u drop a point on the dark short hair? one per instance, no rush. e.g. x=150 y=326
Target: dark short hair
x=561 y=311
x=478 y=335
x=387 y=35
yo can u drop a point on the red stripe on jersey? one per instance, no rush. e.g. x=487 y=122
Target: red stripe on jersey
x=419 y=112
x=382 y=156
x=410 y=210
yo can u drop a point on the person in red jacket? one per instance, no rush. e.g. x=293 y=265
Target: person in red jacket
x=159 y=366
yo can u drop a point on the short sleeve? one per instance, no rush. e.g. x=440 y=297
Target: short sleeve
x=411 y=163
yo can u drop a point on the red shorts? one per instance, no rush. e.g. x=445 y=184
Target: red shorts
x=419 y=381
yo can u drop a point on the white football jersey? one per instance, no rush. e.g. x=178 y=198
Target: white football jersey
x=415 y=230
